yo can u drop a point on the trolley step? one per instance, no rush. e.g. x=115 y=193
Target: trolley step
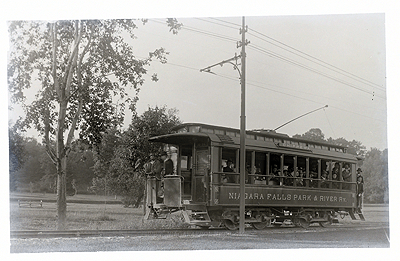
x=353 y=217
x=196 y=214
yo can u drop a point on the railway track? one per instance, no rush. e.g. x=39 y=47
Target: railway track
x=188 y=231
x=105 y=233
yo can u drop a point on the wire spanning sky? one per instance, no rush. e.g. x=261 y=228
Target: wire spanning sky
x=294 y=64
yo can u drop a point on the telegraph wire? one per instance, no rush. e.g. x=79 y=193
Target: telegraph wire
x=307 y=93
x=277 y=56
x=211 y=34
x=204 y=20
x=220 y=20
x=330 y=125
x=254 y=84
x=295 y=96
x=336 y=69
x=260 y=49
x=358 y=114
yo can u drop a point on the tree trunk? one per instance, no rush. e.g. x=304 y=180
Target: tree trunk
x=138 y=200
x=61 y=169
x=61 y=194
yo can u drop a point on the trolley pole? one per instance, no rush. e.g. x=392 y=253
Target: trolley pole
x=242 y=132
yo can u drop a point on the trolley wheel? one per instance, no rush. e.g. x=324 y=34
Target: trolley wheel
x=326 y=223
x=229 y=224
x=261 y=225
x=301 y=222
x=204 y=227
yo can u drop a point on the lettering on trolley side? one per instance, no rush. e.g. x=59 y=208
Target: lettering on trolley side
x=286 y=197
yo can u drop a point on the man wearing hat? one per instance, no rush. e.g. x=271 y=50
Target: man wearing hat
x=156 y=169
x=227 y=168
x=168 y=164
x=360 y=189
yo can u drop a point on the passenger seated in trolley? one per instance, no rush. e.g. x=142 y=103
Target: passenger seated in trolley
x=299 y=178
x=335 y=175
x=274 y=180
x=289 y=180
x=313 y=177
x=260 y=177
x=285 y=174
x=346 y=175
x=228 y=168
x=248 y=178
x=324 y=179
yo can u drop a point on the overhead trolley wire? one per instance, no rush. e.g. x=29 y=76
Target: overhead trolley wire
x=232 y=39
x=274 y=55
x=220 y=20
x=200 y=31
x=283 y=58
x=317 y=60
x=295 y=52
x=330 y=125
x=307 y=57
x=228 y=26
x=299 y=91
x=295 y=96
x=336 y=69
x=236 y=79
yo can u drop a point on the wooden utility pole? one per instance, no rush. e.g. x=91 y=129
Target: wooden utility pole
x=242 y=208
x=242 y=160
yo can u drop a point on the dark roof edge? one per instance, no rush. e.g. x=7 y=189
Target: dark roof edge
x=274 y=135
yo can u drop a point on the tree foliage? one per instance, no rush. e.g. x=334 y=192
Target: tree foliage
x=353 y=147
x=374 y=165
x=34 y=167
x=80 y=67
x=121 y=158
x=375 y=172
x=84 y=65
x=39 y=173
x=314 y=134
x=79 y=168
x=16 y=154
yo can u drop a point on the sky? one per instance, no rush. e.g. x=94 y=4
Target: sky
x=294 y=65
x=359 y=38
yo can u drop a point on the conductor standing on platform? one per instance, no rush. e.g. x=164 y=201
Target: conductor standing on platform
x=156 y=171
x=360 y=189
x=168 y=164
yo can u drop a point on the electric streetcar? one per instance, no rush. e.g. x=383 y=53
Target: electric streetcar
x=286 y=178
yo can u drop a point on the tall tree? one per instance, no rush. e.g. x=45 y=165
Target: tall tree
x=80 y=66
x=121 y=156
x=375 y=172
x=34 y=167
x=79 y=168
x=314 y=134
x=354 y=147
x=16 y=154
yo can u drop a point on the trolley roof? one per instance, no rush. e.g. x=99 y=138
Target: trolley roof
x=189 y=132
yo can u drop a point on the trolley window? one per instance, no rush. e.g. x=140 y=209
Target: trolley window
x=229 y=165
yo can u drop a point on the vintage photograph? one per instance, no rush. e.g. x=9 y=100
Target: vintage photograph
x=241 y=132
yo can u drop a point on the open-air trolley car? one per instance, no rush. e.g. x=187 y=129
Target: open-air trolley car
x=286 y=178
